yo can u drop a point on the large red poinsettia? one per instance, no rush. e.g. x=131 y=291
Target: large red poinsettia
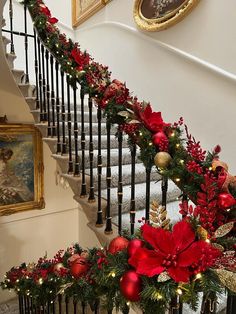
x=176 y=252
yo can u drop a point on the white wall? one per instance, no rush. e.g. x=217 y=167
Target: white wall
x=188 y=70
x=28 y=235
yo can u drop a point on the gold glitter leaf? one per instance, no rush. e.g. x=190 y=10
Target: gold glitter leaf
x=124 y=114
x=223 y=230
x=218 y=246
x=227 y=278
x=163 y=277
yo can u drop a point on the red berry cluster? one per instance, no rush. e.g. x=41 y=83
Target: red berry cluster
x=194 y=148
x=163 y=145
x=129 y=128
x=193 y=166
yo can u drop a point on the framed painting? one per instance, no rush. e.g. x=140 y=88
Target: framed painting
x=21 y=168
x=156 y=15
x=83 y=9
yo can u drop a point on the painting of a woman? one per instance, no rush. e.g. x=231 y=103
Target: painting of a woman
x=153 y=9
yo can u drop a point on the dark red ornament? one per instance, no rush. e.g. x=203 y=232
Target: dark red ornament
x=134 y=245
x=130 y=286
x=79 y=267
x=226 y=200
x=159 y=138
x=118 y=244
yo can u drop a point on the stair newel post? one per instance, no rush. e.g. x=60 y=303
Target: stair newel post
x=76 y=131
x=48 y=93
x=63 y=113
x=42 y=118
x=120 y=182
x=26 y=46
x=108 y=229
x=148 y=192
x=176 y=306
x=164 y=189
x=44 y=82
x=70 y=165
x=132 y=200
x=58 y=108
x=91 y=198
x=99 y=222
x=36 y=68
x=83 y=192
x=231 y=304
x=209 y=304
x=11 y=26
x=53 y=103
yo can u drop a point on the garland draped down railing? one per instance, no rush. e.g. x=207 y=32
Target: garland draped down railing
x=195 y=255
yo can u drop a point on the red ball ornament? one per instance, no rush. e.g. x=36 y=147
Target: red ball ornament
x=79 y=267
x=159 y=138
x=226 y=200
x=130 y=286
x=134 y=245
x=118 y=244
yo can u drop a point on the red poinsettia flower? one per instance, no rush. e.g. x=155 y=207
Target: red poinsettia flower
x=81 y=58
x=152 y=120
x=45 y=10
x=52 y=20
x=174 y=252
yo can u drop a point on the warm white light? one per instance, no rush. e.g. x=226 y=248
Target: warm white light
x=199 y=276
x=179 y=291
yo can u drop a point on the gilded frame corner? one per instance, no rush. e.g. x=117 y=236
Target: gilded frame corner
x=80 y=17
x=37 y=201
x=164 y=22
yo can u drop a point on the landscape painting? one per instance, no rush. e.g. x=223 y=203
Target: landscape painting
x=21 y=168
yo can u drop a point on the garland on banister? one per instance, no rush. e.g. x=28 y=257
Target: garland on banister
x=161 y=261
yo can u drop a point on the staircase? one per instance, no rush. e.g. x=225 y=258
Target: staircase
x=131 y=181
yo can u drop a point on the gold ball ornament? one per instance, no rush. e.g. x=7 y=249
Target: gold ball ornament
x=57 y=267
x=162 y=159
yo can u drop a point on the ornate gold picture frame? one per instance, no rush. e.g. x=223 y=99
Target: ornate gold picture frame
x=21 y=168
x=83 y=9
x=156 y=15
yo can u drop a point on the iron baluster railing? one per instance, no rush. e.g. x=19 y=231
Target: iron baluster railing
x=48 y=93
x=63 y=113
x=132 y=199
x=42 y=118
x=108 y=229
x=75 y=306
x=231 y=304
x=60 y=303
x=67 y=304
x=176 y=306
x=53 y=102
x=26 y=46
x=83 y=305
x=148 y=186
x=76 y=131
x=99 y=222
x=11 y=27
x=120 y=182
x=164 y=189
x=83 y=192
x=20 y=304
x=36 y=68
x=91 y=198
x=58 y=108
x=44 y=83
x=70 y=164
x=209 y=304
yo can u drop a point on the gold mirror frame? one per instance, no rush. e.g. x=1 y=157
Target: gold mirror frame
x=14 y=138
x=164 y=22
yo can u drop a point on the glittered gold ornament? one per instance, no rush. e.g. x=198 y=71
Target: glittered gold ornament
x=202 y=233
x=162 y=160
x=227 y=278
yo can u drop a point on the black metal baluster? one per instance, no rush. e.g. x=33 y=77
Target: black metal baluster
x=28 y=304
x=148 y=183
x=176 y=306
x=44 y=82
x=164 y=188
x=53 y=308
x=231 y=304
x=83 y=304
x=58 y=108
x=96 y=306
x=60 y=303
x=83 y=193
x=11 y=26
x=36 y=68
x=70 y=165
x=31 y=305
x=108 y=229
x=49 y=307
x=209 y=304
x=75 y=306
x=91 y=198
x=77 y=165
x=67 y=304
x=99 y=222
x=120 y=182
x=40 y=82
x=20 y=304
x=53 y=127
x=26 y=46
x=63 y=113
x=25 y=304
x=48 y=94
x=132 y=200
